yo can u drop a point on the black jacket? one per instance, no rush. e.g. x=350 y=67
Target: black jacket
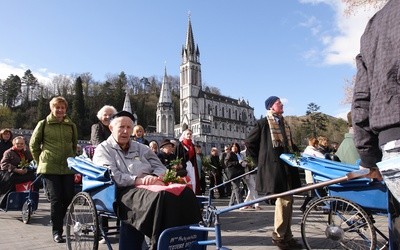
x=273 y=175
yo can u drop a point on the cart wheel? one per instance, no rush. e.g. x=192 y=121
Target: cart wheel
x=82 y=223
x=209 y=216
x=26 y=211
x=336 y=223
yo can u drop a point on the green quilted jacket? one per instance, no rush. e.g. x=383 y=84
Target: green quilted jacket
x=52 y=142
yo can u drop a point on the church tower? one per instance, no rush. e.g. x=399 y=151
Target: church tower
x=190 y=80
x=165 y=116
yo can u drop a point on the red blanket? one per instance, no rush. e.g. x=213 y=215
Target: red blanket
x=174 y=188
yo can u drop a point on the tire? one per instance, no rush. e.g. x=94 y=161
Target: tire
x=82 y=227
x=26 y=212
x=209 y=216
x=337 y=223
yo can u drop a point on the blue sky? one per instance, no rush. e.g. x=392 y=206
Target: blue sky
x=300 y=50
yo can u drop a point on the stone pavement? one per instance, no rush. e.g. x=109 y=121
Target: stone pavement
x=250 y=230
x=241 y=230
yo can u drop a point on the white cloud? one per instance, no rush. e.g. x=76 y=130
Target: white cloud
x=343 y=43
x=310 y=54
x=8 y=67
x=341 y=111
x=313 y=24
x=284 y=100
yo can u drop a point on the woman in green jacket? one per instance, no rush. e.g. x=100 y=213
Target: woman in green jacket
x=53 y=141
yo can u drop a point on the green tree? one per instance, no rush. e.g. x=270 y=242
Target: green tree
x=6 y=117
x=11 y=90
x=315 y=122
x=43 y=108
x=119 y=91
x=29 y=82
x=78 y=114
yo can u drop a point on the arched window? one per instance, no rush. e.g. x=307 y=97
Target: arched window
x=244 y=116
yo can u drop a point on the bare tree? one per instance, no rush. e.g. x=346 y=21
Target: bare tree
x=62 y=85
x=354 y=5
x=348 y=90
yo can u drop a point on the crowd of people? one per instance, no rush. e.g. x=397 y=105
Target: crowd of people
x=136 y=163
x=114 y=136
x=373 y=136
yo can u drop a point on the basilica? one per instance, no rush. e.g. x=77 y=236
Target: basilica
x=215 y=120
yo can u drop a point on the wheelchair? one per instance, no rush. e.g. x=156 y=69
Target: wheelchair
x=97 y=200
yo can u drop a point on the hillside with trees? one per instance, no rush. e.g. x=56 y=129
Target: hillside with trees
x=24 y=101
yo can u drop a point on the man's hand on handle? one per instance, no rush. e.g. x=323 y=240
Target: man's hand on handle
x=373 y=173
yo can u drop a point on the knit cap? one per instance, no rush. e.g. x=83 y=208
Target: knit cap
x=270 y=101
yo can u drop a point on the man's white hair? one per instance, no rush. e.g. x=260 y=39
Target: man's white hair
x=113 y=121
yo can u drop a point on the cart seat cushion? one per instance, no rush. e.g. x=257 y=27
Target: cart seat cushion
x=89 y=169
x=326 y=169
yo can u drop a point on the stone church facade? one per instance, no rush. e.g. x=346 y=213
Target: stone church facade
x=215 y=120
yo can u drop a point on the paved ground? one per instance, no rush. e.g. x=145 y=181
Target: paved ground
x=241 y=230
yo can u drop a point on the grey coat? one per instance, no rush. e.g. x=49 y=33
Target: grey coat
x=138 y=161
x=376 y=99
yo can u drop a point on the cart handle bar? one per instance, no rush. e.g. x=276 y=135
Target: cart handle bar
x=349 y=176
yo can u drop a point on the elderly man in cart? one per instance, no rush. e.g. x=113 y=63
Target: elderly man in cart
x=145 y=205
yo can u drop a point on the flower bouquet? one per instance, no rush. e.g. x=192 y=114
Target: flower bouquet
x=176 y=163
x=295 y=157
x=250 y=163
x=206 y=163
x=23 y=164
x=170 y=177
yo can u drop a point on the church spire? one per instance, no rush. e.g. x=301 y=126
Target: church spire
x=190 y=52
x=127 y=105
x=165 y=95
x=189 y=38
x=165 y=116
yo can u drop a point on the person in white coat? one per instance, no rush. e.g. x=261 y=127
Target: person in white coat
x=310 y=150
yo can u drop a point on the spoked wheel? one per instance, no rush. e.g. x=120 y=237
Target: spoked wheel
x=26 y=211
x=337 y=223
x=209 y=216
x=81 y=223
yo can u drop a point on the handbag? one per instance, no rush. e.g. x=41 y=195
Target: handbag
x=234 y=171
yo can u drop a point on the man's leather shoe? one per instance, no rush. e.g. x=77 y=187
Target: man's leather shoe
x=291 y=244
x=58 y=238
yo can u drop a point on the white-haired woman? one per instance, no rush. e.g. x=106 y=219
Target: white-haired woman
x=100 y=130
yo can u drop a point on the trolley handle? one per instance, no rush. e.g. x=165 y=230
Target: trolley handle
x=357 y=174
